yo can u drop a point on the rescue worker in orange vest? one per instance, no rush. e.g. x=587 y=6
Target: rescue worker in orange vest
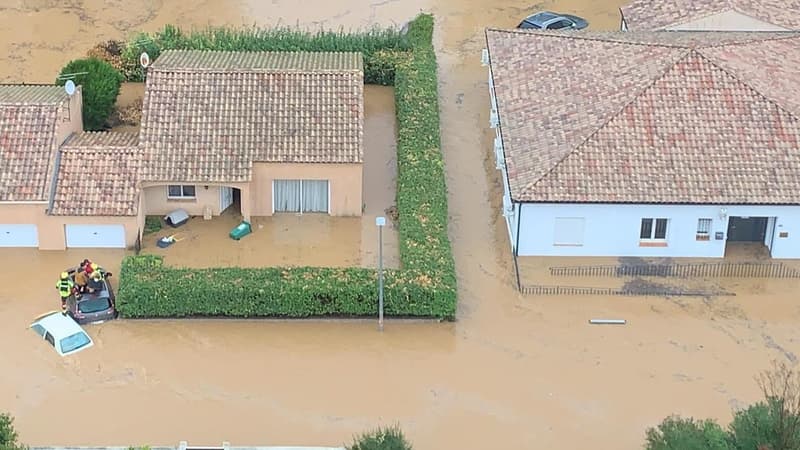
x=65 y=287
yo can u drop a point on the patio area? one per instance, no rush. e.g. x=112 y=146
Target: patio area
x=305 y=239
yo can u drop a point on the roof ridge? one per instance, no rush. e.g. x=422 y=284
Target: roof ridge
x=611 y=117
x=719 y=66
x=588 y=36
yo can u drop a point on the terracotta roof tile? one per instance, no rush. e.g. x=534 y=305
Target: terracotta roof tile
x=32 y=94
x=28 y=119
x=98 y=175
x=633 y=121
x=207 y=116
x=650 y=15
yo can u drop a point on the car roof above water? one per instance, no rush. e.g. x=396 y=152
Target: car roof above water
x=541 y=17
x=59 y=325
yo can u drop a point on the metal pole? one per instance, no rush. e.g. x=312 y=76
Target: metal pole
x=380 y=278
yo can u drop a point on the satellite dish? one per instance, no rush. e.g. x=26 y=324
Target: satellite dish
x=69 y=86
x=144 y=59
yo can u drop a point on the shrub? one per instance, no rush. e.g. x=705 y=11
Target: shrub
x=390 y=438
x=676 y=433
x=426 y=284
x=8 y=435
x=100 y=87
x=376 y=45
x=152 y=224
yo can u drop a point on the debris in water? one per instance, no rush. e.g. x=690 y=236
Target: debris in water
x=608 y=321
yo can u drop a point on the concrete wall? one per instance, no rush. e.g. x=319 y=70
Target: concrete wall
x=345 y=184
x=51 y=228
x=70 y=120
x=613 y=230
x=727 y=21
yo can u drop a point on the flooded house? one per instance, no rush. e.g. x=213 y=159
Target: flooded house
x=647 y=144
x=264 y=132
x=710 y=15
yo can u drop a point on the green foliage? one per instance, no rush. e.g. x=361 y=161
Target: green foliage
x=676 y=433
x=152 y=224
x=377 y=45
x=390 y=438
x=759 y=426
x=99 y=86
x=8 y=435
x=424 y=287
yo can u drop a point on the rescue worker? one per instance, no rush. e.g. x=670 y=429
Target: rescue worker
x=64 y=286
x=81 y=282
x=96 y=281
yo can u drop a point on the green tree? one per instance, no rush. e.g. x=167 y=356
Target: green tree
x=8 y=435
x=678 y=433
x=390 y=438
x=100 y=84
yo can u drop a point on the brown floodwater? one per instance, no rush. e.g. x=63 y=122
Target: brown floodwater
x=513 y=372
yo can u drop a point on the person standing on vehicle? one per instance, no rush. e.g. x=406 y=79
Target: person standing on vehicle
x=96 y=281
x=81 y=281
x=64 y=286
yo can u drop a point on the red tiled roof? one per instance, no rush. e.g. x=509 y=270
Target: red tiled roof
x=651 y=15
x=649 y=117
x=207 y=116
x=28 y=119
x=98 y=175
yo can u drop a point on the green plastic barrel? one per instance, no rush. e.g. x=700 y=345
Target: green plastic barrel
x=241 y=230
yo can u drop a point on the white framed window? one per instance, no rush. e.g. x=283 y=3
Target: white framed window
x=653 y=229
x=180 y=191
x=300 y=196
x=703 y=229
x=569 y=231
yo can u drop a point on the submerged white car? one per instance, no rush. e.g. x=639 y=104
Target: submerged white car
x=63 y=333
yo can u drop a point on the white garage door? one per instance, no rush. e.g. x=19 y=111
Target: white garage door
x=95 y=236
x=19 y=235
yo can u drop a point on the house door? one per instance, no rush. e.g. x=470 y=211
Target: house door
x=225 y=198
x=747 y=229
x=300 y=196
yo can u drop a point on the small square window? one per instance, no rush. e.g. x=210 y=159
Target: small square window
x=703 y=229
x=177 y=191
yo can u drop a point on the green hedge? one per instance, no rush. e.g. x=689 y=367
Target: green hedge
x=424 y=287
x=377 y=45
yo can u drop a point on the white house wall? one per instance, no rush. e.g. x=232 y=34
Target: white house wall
x=613 y=230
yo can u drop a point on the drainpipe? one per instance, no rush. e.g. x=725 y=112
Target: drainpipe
x=516 y=248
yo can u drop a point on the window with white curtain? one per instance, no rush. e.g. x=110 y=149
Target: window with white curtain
x=300 y=196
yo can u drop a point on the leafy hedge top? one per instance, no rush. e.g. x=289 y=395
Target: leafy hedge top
x=371 y=44
x=100 y=87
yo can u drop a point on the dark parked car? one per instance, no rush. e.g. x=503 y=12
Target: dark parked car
x=548 y=20
x=98 y=306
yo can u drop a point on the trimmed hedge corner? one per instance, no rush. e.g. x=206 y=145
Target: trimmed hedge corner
x=426 y=284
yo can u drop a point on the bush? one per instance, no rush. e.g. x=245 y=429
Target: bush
x=8 y=435
x=426 y=284
x=376 y=45
x=152 y=224
x=390 y=438
x=99 y=86
x=676 y=433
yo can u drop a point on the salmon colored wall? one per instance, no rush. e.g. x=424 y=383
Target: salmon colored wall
x=345 y=184
x=51 y=228
x=157 y=203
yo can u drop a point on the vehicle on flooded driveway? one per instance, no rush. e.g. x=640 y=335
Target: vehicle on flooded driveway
x=93 y=307
x=548 y=20
x=63 y=333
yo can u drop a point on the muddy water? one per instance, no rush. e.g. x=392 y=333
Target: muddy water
x=513 y=372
